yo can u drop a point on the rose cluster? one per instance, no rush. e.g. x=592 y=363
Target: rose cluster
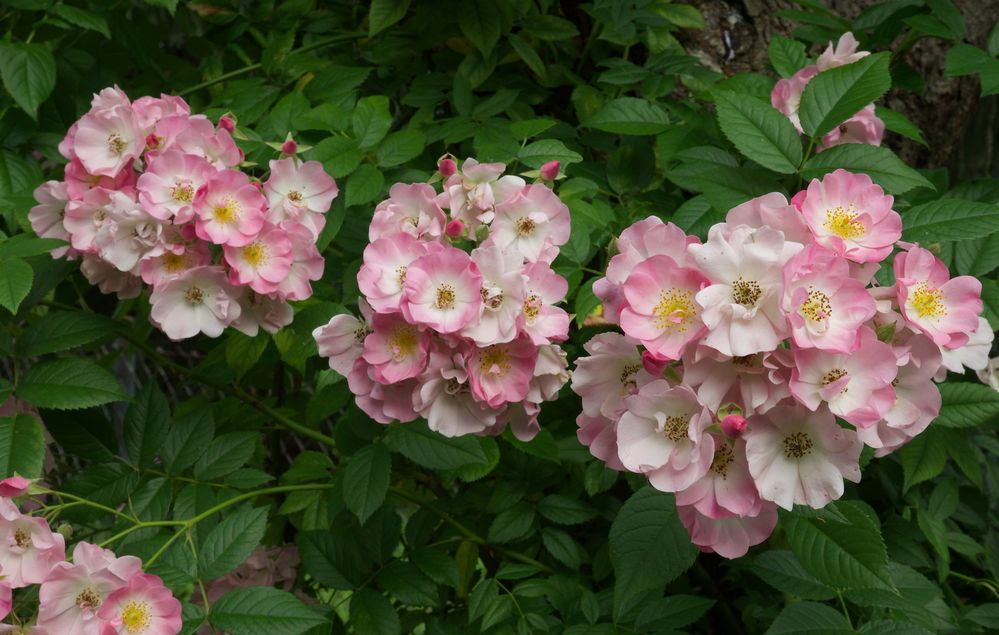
x=755 y=366
x=459 y=318
x=98 y=593
x=154 y=194
x=863 y=127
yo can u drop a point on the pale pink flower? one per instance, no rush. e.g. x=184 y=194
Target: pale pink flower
x=611 y=372
x=662 y=434
x=341 y=340
x=150 y=110
x=230 y=209
x=990 y=374
x=636 y=244
x=175 y=260
x=730 y=536
x=551 y=374
x=108 y=278
x=167 y=187
x=143 y=606
x=445 y=399
x=756 y=383
x=825 y=306
x=851 y=215
x=128 y=234
x=972 y=355
x=541 y=320
x=857 y=386
x=521 y=418
x=28 y=548
x=659 y=307
x=199 y=300
x=801 y=457
x=109 y=97
x=260 y=311
x=772 y=210
x=741 y=308
x=410 y=208
x=726 y=488
x=79 y=181
x=72 y=594
x=263 y=263
x=502 y=373
x=46 y=217
x=396 y=349
x=383 y=403
x=85 y=216
x=442 y=290
x=197 y=135
x=864 y=127
x=529 y=222
x=786 y=95
x=6 y=599
x=502 y=296
x=845 y=53
x=945 y=309
x=307 y=264
x=301 y=192
x=599 y=434
x=386 y=261
x=108 y=140
x=14 y=486
x=473 y=194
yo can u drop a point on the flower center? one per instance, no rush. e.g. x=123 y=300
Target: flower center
x=194 y=296
x=723 y=457
x=22 y=538
x=454 y=387
x=402 y=342
x=225 y=213
x=136 y=616
x=833 y=375
x=495 y=360
x=89 y=599
x=817 y=307
x=174 y=262
x=928 y=302
x=746 y=292
x=532 y=308
x=525 y=226
x=361 y=332
x=843 y=223
x=116 y=145
x=255 y=253
x=676 y=428
x=675 y=310
x=295 y=196
x=797 y=445
x=400 y=274
x=445 y=297
x=492 y=296
x=182 y=192
x=627 y=378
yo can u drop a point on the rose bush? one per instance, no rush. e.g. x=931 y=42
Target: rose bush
x=423 y=221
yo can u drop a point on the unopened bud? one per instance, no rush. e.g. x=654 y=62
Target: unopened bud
x=66 y=530
x=152 y=141
x=549 y=171
x=733 y=426
x=227 y=123
x=447 y=167
x=654 y=364
x=481 y=233
x=289 y=147
x=455 y=228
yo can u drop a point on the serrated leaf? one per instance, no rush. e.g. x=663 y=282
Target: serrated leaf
x=673 y=612
x=562 y=547
x=899 y=124
x=22 y=446
x=629 y=116
x=511 y=524
x=400 y=147
x=527 y=55
x=366 y=480
x=29 y=74
x=69 y=384
x=408 y=585
x=187 y=440
x=480 y=21
x=57 y=332
x=536 y=154
x=146 y=424
x=330 y=559
x=565 y=510
x=371 y=120
x=787 y=56
x=385 y=13
x=82 y=18
x=263 y=611
x=225 y=454
x=881 y=164
x=967 y=405
x=977 y=257
x=760 y=132
x=430 y=449
x=835 y=95
x=648 y=547
x=365 y=185
x=949 y=219
x=16 y=277
x=842 y=555
x=781 y=570
x=810 y=618
x=231 y=542
x=371 y=613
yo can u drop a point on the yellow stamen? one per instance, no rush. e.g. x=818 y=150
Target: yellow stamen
x=746 y=292
x=255 y=254
x=675 y=311
x=445 y=297
x=136 y=616
x=927 y=302
x=495 y=360
x=797 y=445
x=226 y=212
x=844 y=223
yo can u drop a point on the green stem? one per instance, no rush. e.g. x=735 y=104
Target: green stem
x=846 y=612
x=249 y=68
x=83 y=501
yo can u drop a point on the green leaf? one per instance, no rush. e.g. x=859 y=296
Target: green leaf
x=787 y=56
x=146 y=424
x=565 y=510
x=562 y=547
x=842 y=555
x=29 y=74
x=898 y=123
x=371 y=613
x=18 y=176
x=781 y=570
x=967 y=405
x=16 y=277
x=408 y=585
x=328 y=558
x=528 y=55
x=673 y=612
x=22 y=446
x=68 y=384
x=511 y=524
x=648 y=547
x=399 y=147
x=530 y=127
x=810 y=618
x=949 y=219
x=430 y=449
x=23 y=245
x=339 y=155
x=760 y=132
x=551 y=28
x=537 y=153
x=263 y=611
x=225 y=454
x=365 y=185
x=169 y=5
x=480 y=21
x=371 y=120
x=56 y=332
x=385 y=13
x=82 y=18
x=990 y=299
x=187 y=440
x=977 y=257
x=881 y=164
x=629 y=116
x=835 y=95
x=366 y=480
x=231 y=542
